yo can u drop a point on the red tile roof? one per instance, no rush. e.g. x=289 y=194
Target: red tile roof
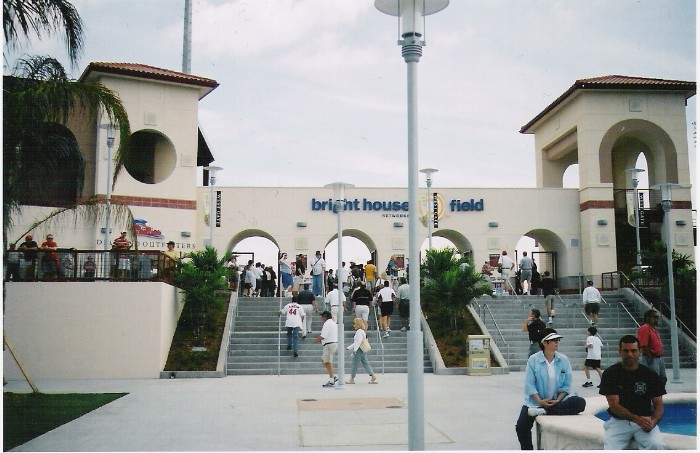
x=149 y=72
x=615 y=82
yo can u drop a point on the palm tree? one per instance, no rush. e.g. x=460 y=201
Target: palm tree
x=20 y=17
x=38 y=99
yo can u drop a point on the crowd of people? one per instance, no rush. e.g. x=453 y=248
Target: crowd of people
x=47 y=262
x=633 y=387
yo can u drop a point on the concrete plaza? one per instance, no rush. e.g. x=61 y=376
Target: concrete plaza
x=281 y=413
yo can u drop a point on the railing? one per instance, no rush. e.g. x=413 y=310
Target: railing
x=663 y=307
x=90 y=265
x=379 y=332
x=482 y=314
x=279 y=340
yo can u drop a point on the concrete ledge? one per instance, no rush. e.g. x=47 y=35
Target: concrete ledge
x=585 y=431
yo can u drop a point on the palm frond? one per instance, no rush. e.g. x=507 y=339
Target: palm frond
x=92 y=211
x=43 y=17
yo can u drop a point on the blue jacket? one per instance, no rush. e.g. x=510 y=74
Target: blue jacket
x=536 y=377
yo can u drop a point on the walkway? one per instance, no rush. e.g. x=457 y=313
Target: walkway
x=271 y=413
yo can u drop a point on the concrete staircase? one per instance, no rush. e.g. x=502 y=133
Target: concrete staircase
x=257 y=343
x=505 y=315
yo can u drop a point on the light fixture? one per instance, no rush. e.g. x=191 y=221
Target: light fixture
x=602 y=222
x=398 y=224
x=301 y=224
x=493 y=224
x=411 y=24
x=666 y=203
x=680 y=222
x=185 y=234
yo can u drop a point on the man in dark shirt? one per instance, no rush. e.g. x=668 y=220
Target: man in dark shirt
x=549 y=289
x=361 y=299
x=307 y=300
x=635 y=402
x=534 y=327
x=30 y=249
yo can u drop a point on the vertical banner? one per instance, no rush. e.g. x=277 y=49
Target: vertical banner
x=642 y=223
x=435 y=210
x=218 y=208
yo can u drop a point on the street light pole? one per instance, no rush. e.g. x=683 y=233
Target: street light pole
x=635 y=183
x=212 y=182
x=339 y=207
x=411 y=15
x=111 y=132
x=429 y=219
x=666 y=205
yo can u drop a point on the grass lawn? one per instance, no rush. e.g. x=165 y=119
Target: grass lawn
x=29 y=415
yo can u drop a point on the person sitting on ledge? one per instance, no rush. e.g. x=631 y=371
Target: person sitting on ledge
x=547 y=388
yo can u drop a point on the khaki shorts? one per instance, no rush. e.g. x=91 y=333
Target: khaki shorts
x=328 y=352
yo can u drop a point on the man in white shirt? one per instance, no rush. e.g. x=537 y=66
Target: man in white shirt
x=258 y=278
x=329 y=340
x=317 y=268
x=591 y=303
x=295 y=321
x=506 y=266
x=403 y=294
x=386 y=297
x=526 y=272
x=343 y=278
x=335 y=299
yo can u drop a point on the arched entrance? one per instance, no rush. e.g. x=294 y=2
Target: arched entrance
x=621 y=149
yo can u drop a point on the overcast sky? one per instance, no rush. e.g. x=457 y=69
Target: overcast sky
x=314 y=91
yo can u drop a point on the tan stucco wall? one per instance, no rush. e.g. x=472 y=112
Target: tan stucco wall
x=112 y=331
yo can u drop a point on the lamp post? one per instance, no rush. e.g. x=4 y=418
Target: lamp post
x=411 y=15
x=635 y=183
x=111 y=132
x=338 y=208
x=212 y=182
x=428 y=219
x=666 y=205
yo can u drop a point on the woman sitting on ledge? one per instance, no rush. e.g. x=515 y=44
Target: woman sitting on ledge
x=547 y=388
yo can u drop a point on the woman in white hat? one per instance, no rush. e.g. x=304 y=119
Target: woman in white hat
x=547 y=387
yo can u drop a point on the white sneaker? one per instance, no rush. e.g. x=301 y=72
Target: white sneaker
x=386 y=335
x=535 y=411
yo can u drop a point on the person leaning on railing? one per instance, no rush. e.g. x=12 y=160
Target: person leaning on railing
x=170 y=261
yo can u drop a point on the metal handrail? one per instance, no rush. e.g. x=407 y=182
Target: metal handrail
x=379 y=334
x=571 y=306
x=684 y=327
x=498 y=329
x=279 y=339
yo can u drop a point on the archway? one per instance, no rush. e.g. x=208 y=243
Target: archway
x=257 y=245
x=570 y=179
x=358 y=248
x=628 y=145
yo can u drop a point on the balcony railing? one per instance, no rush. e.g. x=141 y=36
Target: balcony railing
x=89 y=265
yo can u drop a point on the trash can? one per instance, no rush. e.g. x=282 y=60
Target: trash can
x=478 y=355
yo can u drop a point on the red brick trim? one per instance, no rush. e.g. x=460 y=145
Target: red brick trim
x=152 y=202
x=596 y=204
x=681 y=205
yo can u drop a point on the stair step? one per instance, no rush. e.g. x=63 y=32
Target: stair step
x=258 y=343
